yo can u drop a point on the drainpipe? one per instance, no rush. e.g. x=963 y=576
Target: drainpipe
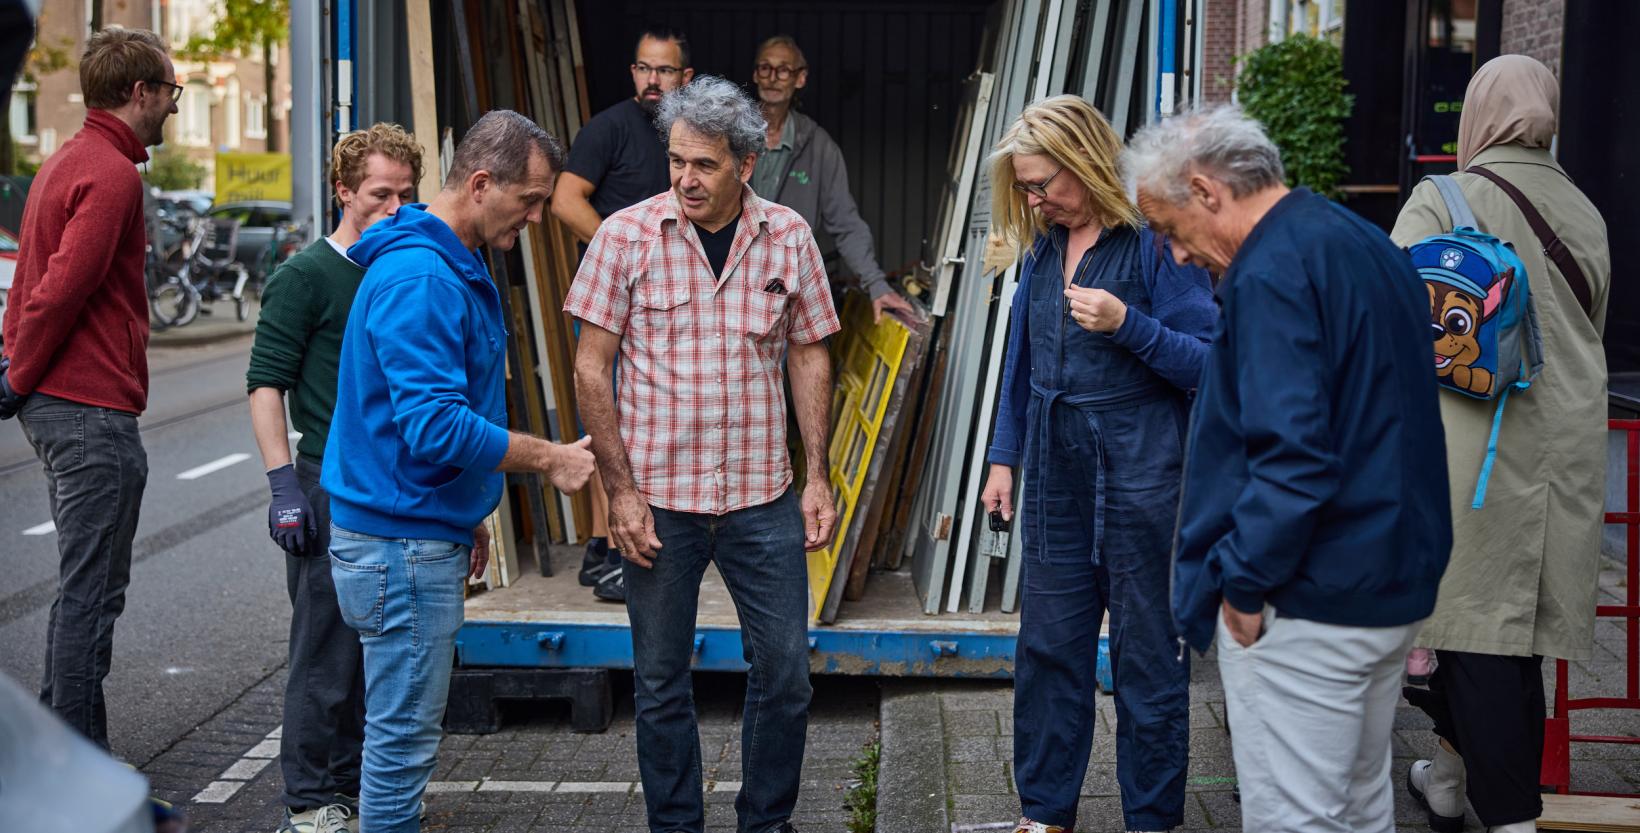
x=344 y=67
x=1167 y=37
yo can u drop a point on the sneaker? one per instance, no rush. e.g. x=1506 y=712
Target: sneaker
x=612 y=587
x=331 y=818
x=595 y=564
x=1028 y=826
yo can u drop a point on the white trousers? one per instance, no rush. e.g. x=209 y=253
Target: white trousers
x=1311 y=707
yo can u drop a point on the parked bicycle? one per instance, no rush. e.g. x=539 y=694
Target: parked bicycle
x=172 y=300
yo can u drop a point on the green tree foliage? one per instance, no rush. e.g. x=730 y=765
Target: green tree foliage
x=242 y=26
x=170 y=169
x=1295 y=87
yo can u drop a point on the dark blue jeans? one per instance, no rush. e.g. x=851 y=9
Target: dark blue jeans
x=96 y=470
x=759 y=553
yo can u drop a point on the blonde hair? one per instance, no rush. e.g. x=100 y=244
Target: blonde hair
x=1068 y=130
x=351 y=158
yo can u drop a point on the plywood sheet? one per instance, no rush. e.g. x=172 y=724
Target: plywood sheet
x=1590 y=812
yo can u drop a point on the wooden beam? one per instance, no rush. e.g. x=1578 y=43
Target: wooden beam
x=1590 y=812
x=418 y=22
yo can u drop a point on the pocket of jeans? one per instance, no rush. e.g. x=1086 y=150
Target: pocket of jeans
x=434 y=552
x=58 y=437
x=361 y=594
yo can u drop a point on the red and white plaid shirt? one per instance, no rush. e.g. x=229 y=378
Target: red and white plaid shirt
x=700 y=401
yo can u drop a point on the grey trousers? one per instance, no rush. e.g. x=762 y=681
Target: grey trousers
x=1311 y=708
x=323 y=740
x=95 y=470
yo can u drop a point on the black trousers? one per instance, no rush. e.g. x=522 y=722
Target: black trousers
x=1491 y=709
x=96 y=471
x=323 y=741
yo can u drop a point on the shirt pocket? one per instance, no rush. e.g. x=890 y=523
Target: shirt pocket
x=659 y=313
x=766 y=302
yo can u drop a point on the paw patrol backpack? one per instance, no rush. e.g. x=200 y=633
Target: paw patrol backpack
x=1482 y=322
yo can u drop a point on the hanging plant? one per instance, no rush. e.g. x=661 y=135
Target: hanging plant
x=1295 y=87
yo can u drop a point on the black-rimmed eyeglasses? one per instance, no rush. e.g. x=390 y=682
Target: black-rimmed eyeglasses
x=176 y=89
x=664 y=72
x=780 y=73
x=1038 y=188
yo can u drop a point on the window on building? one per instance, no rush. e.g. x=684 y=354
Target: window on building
x=194 y=116
x=25 y=114
x=256 y=117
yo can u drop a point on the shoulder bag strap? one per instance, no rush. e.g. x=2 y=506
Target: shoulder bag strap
x=1553 y=248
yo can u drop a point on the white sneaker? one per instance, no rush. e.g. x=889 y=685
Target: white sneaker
x=1439 y=787
x=331 y=818
x=1517 y=827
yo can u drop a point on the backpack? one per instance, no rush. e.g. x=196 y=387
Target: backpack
x=1483 y=324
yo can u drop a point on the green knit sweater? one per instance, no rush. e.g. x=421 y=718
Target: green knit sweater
x=299 y=338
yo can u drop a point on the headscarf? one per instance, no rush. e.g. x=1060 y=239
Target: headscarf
x=1512 y=99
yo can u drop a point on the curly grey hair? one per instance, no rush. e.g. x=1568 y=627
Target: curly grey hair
x=1221 y=142
x=714 y=107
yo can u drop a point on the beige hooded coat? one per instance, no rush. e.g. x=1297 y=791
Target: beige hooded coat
x=1523 y=574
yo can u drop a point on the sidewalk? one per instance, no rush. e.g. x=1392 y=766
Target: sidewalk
x=218 y=325
x=964 y=782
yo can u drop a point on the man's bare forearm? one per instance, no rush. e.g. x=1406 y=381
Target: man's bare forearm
x=529 y=453
x=576 y=211
x=269 y=426
x=810 y=368
x=595 y=398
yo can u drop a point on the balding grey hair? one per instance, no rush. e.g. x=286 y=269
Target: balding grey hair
x=500 y=142
x=714 y=108
x=1221 y=143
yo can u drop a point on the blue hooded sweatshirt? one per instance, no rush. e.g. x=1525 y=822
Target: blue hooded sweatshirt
x=421 y=413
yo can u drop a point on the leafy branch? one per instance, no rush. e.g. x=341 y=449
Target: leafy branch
x=1295 y=87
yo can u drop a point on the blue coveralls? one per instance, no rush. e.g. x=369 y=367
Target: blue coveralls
x=1104 y=432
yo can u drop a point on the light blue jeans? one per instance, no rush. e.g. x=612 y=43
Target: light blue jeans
x=404 y=597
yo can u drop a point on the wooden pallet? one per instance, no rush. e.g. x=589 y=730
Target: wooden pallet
x=1590 y=812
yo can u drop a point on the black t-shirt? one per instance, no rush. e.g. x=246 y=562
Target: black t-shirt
x=620 y=153
x=717 y=244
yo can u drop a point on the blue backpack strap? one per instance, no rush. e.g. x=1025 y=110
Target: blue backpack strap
x=1492 y=444
x=1457 y=207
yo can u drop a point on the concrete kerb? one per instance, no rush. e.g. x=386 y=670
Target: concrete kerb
x=911 y=783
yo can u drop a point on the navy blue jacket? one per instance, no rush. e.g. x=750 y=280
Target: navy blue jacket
x=421 y=411
x=1172 y=340
x=1315 y=475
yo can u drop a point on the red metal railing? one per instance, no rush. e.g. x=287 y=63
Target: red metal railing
x=1557 y=735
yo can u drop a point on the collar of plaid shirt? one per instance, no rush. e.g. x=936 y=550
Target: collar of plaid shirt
x=752 y=221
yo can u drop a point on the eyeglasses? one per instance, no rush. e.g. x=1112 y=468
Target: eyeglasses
x=664 y=72
x=1038 y=188
x=176 y=89
x=781 y=73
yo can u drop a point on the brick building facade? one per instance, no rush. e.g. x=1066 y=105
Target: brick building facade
x=222 y=102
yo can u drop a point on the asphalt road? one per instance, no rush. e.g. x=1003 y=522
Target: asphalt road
x=206 y=614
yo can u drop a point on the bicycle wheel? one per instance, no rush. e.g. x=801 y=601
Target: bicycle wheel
x=174 y=302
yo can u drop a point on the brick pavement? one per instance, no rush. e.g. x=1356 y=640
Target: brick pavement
x=536 y=774
x=975 y=721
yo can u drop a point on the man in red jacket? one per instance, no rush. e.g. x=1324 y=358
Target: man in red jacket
x=76 y=335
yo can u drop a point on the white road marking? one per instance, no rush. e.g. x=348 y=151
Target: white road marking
x=245 y=769
x=214 y=466
x=278 y=731
x=218 y=792
x=489 y=786
x=41 y=529
x=725 y=787
x=594 y=787
x=451 y=786
x=266 y=749
x=294 y=435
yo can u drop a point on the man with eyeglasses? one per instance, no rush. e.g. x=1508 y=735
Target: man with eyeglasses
x=76 y=369
x=618 y=160
x=803 y=169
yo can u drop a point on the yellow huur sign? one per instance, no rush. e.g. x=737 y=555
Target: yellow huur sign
x=252 y=176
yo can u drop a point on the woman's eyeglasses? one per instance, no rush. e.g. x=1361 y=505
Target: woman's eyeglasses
x=1038 y=188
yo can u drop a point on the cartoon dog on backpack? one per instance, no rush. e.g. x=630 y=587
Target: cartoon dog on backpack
x=1458 y=306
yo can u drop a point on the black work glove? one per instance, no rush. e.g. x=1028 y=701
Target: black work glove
x=10 y=400
x=290 y=516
